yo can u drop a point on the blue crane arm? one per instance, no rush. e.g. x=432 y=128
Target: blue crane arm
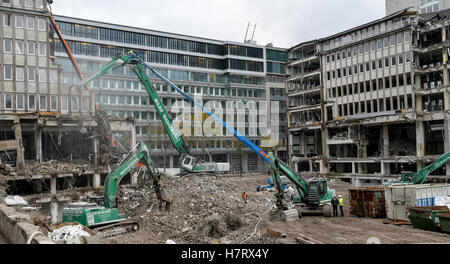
x=239 y=136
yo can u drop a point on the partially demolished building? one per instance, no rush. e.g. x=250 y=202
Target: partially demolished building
x=46 y=126
x=371 y=101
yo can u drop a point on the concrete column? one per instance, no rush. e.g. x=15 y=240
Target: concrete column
x=133 y=137
x=353 y=168
x=134 y=178
x=171 y=161
x=53 y=184
x=447 y=139
x=385 y=149
x=96 y=180
x=95 y=146
x=290 y=149
x=383 y=171
x=420 y=143
x=245 y=162
x=38 y=144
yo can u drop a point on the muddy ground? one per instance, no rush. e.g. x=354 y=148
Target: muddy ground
x=203 y=207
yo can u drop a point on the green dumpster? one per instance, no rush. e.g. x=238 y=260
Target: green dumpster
x=444 y=219
x=425 y=218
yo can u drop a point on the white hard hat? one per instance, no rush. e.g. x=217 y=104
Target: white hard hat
x=340 y=196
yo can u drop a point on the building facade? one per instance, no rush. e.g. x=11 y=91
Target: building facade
x=227 y=75
x=422 y=6
x=385 y=95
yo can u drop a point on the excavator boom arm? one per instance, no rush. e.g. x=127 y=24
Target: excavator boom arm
x=420 y=176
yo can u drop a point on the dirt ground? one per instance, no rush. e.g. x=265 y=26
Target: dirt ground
x=2 y=240
x=203 y=207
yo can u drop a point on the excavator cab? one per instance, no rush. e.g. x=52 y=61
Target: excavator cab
x=408 y=176
x=317 y=189
x=190 y=165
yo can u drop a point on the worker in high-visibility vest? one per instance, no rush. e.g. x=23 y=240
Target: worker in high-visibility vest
x=244 y=197
x=341 y=204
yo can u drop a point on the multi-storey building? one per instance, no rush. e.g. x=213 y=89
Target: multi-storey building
x=422 y=6
x=305 y=106
x=276 y=61
x=385 y=98
x=222 y=72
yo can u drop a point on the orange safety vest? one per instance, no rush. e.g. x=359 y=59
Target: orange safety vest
x=244 y=195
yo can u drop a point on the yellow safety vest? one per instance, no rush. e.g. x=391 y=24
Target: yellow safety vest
x=341 y=201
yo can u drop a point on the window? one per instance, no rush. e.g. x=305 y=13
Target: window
x=408 y=56
x=31 y=48
x=400 y=59
x=30 y=22
x=42 y=75
x=31 y=102
x=53 y=103
x=386 y=62
x=400 y=38
x=8 y=101
x=19 y=21
x=64 y=103
x=17 y=2
x=42 y=49
x=374 y=65
x=328 y=58
x=85 y=104
x=53 y=76
x=20 y=47
x=20 y=74
x=74 y=103
x=31 y=74
x=386 y=42
x=393 y=40
x=7 y=45
x=43 y=102
x=394 y=61
x=41 y=24
x=366 y=47
x=379 y=44
x=380 y=64
x=29 y=3
x=367 y=66
x=8 y=72
x=407 y=36
x=7 y=20
x=20 y=104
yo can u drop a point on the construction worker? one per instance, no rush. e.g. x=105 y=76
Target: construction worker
x=244 y=197
x=335 y=203
x=341 y=204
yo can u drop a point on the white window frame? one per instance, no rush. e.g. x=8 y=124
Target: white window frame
x=28 y=22
x=16 y=19
x=11 y=97
x=29 y=3
x=4 y=72
x=17 y=102
x=40 y=75
x=53 y=99
x=7 y=15
x=34 y=48
x=22 y=76
x=29 y=101
x=85 y=103
x=29 y=74
x=64 y=103
x=10 y=46
x=41 y=24
x=40 y=102
x=77 y=103
x=18 y=42
x=53 y=76
x=42 y=44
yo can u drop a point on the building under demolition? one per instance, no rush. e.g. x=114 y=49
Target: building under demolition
x=48 y=129
x=371 y=101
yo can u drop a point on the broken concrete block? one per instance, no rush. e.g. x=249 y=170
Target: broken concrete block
x=289 y=215
x=275 y=215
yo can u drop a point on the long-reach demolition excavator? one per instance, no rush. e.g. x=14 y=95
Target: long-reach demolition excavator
x=313 y=195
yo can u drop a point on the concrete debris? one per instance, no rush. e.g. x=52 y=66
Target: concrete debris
x=68 y=232
x=15 y=201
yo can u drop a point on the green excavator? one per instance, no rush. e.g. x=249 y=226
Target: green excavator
x=313 y=195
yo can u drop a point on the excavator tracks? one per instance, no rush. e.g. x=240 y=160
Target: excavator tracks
x=117 y=229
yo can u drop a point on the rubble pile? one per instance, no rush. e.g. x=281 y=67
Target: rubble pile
x=49 y=167
x=205 y=208
x=68 y=232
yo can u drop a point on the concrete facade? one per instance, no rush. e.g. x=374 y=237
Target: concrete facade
x=382 y=95
x=422 y=6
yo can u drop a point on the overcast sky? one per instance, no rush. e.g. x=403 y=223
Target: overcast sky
x=284 y=23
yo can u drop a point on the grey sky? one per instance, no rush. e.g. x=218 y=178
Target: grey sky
x=284 y=23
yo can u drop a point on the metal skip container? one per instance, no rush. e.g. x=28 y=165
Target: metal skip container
x=367 y=202
x=399 y=197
